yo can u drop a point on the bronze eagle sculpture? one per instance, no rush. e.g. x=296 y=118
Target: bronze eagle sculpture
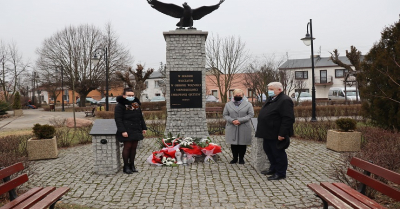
x=185 y=13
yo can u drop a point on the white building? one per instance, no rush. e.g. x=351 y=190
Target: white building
x=154 y=87
x=327 y=74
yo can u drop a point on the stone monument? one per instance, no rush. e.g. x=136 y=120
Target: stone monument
x=186 y=84
x=259 y=158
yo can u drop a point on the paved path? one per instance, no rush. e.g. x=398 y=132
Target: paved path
x=200 y=185
x=33 y=116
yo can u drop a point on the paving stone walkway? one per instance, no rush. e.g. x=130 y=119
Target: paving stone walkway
x=200 y=185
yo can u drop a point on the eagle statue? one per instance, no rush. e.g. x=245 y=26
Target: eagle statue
x=185 y=13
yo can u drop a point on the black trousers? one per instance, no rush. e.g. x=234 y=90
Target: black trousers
x=277 y=158
x=238 y=151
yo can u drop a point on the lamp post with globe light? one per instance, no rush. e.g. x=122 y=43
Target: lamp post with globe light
x=308 y=40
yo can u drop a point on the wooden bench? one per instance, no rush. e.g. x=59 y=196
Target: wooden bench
x=213 y=110
x=37 y=197
x=340 y=195
x=91 y=113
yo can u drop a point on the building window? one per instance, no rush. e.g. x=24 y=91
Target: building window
x=158 y=94
x=66 y=96
x=301 y=74
x=323 y=76
x=250 y=93
x=230 y=93
x=214 y=93
x=157 y=84
x=340 y=73
x=302 y=90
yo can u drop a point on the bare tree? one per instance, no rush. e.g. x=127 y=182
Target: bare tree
x=225 y=58
x=119 y=58
x=260 y=73
x=163 y=83
x=73 y=48
x=51 y=81
x=4 y=55
x=354 y=57
x=139 y=78
x=16 y=66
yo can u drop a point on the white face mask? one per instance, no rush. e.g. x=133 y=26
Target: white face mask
x=130 y=98
x=271 y=93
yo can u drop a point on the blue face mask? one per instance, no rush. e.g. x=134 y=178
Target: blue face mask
x=130 y=98
x=271 y=93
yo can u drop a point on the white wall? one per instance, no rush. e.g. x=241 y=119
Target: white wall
x=151 y=90
x=321 y=91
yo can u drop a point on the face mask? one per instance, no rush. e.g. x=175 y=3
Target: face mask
x=130 y=98
x=271 y=93
x=237 y=98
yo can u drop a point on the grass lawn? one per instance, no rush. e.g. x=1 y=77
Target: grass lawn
x=16 y=132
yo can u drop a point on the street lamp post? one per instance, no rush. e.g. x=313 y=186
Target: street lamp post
x=33 y=88
x=62 y=89
x=95 y=61
x=307 y=41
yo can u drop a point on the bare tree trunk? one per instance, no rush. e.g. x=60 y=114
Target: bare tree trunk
x=225 y=58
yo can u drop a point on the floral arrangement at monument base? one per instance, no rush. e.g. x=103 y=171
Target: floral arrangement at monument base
x=191 y=149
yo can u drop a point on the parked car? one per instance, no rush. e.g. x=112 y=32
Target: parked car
x=211 y=98
x=88 y=100
x=304 y=96
x=157 y=99
x=338 y=94
x=111 y=100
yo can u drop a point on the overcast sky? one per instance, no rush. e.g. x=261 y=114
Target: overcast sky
x=267 y=27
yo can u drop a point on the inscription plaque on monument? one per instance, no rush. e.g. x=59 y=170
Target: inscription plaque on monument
x=186 y=89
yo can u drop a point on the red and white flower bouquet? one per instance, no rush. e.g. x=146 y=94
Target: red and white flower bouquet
x=189 y=146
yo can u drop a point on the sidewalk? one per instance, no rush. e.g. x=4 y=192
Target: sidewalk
x=217 y=185
x=33 y=116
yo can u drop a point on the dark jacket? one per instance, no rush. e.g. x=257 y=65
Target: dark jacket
x=130 y=121
x=276 y=118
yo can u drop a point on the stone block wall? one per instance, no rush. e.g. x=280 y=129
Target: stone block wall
x=186 y=52
x=259 y=159
x=106 y=156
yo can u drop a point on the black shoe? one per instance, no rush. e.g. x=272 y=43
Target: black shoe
x=241 y=161
x=276 y=177
x=233 y=161
x=127 y=169
x=133 y=168
x=268 y=172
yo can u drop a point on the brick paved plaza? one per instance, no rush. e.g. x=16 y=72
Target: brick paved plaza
x=216 y=185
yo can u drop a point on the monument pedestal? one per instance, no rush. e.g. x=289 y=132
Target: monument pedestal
x=186 y=84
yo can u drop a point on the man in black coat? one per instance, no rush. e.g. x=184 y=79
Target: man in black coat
x=275 y=122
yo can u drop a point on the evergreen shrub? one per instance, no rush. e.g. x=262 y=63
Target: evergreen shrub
x=346 y=124
x=17 y=101
x=43 y=131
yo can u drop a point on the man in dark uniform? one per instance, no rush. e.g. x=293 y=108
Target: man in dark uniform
x=275 y=122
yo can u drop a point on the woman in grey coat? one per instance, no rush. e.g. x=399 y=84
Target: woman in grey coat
x=237 y=114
